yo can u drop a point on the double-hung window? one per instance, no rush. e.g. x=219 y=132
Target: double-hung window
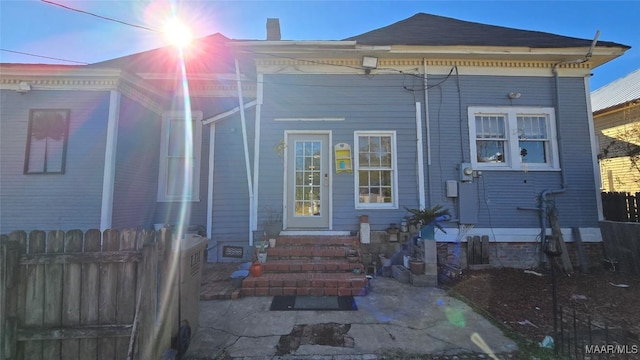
x=513 y=138
x=47 y=141
x=376 y=173
x=180 y=157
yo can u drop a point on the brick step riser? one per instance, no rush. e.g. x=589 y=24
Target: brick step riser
x=307 y=253
x=297 y=268
x=316 y=287
x=302 y=291
x=311 y=241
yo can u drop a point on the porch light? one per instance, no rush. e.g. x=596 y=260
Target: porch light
x=369 y=62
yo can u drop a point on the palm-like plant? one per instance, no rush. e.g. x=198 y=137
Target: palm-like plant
x=426 y=216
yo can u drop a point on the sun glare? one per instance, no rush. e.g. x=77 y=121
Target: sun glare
x=177 y=33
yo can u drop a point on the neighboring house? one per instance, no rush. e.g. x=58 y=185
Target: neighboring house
x=616 y=115
x=483 y=120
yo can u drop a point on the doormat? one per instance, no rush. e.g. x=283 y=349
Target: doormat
x=302 y=303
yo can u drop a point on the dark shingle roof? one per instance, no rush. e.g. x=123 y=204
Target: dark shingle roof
x=432 y=30
x=208 y=54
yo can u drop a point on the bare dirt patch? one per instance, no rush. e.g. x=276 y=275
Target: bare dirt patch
x=522 y=301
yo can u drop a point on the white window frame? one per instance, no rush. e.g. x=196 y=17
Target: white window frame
x=513 y=160
x=394 y=171
x=196 y=118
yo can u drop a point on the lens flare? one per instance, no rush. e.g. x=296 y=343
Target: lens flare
x=177 y=33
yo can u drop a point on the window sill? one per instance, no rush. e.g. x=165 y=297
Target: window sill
x=178 y=200
x=376 y=207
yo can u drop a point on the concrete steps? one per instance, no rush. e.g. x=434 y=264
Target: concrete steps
x=309 y=265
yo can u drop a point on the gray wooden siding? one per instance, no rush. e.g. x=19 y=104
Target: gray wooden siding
x=66 y=201
x=381 y=102
x=367 y=103
x=501 y=193
x=230 y=218
x=230 y=191
x=136 y=177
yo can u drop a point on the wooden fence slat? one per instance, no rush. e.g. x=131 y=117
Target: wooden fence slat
x=108 y=294
x=484 y=239
x=90 y=294
x=127 y=290
x=4 y=288
x=53 y=293
x=70 y=348
x=34 y=299
x=150 y=341
x=15 y=302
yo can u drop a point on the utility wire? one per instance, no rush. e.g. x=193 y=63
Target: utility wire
x=99 y=16
x=44 y=57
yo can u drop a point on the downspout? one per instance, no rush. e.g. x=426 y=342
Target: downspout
x=108 y=178
x=212 y=139
x=246 y=150
x=428 y=128
x=563 y=180
x=420 y=156
x=256 y=148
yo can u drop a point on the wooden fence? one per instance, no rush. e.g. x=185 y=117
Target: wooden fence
x=621 y=206
x=622 y=244
x=75 y=295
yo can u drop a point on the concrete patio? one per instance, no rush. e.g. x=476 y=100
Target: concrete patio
x=392 y=316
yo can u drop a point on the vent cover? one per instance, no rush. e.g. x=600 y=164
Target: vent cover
x=233 y=251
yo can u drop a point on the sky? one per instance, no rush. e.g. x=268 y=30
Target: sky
x=41 y=28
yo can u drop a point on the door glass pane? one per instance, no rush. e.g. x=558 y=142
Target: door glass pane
x=307 y=178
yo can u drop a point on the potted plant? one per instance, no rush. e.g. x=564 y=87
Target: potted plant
x=261 y=248
x=273 y=223
x=424 y=219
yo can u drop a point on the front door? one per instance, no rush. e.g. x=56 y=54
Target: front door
x=308 y=181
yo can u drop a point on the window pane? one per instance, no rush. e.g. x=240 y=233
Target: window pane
x=177 y=134
x=47 y=140
x=177 y=177
x=37 y=151
x=533 y=151
x=490 y=127
x=532 y=127
x=490 y=151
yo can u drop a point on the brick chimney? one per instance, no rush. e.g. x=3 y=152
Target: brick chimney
x=273 y=29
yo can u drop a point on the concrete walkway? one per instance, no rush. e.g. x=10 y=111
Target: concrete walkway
x=392 y=316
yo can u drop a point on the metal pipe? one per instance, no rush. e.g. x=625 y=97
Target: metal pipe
x=428 y=129
x=246 y=150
